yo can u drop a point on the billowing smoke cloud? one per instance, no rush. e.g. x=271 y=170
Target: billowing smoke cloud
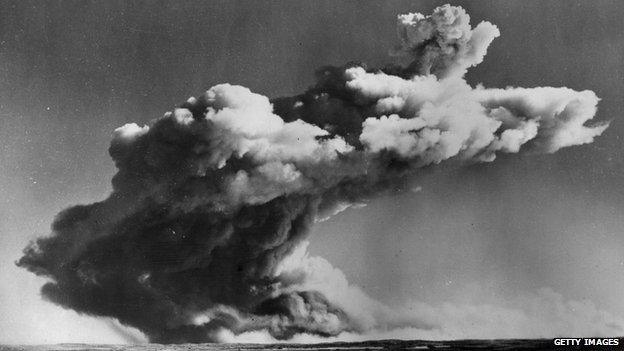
x=443 y=43
x=211 y=205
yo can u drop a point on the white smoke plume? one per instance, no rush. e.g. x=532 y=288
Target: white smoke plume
x=443 y=43
x=202 y=237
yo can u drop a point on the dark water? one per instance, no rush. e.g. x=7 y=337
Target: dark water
x=513 y=344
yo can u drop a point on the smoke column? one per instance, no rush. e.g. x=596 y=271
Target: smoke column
x=205 y=229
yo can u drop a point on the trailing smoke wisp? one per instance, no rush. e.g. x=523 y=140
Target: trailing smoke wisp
x=212 y=201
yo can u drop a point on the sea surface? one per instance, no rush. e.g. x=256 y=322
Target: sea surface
x=508 y=344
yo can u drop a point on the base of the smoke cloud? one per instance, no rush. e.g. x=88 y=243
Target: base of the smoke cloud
x=539 y=315
x=529 y=315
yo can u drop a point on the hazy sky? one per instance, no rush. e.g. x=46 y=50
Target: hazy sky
x=71 y=72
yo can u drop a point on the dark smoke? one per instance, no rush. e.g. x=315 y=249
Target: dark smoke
x=210 y=199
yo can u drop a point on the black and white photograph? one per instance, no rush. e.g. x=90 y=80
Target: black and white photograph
x=311 y=175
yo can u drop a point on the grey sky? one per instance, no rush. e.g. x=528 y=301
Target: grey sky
x=71 y=72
